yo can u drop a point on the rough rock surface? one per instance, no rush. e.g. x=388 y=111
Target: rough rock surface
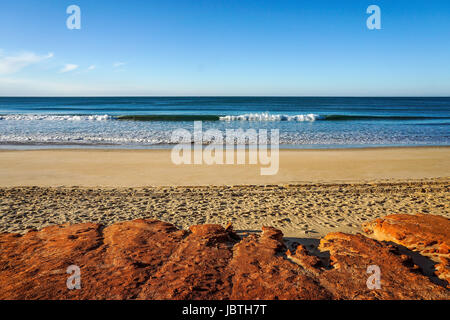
x=346 y=273
x=428 y=235
x=195 y=270
x=150 y=259
x=260 y=270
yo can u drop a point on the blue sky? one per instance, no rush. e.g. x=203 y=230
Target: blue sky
x=225 y=47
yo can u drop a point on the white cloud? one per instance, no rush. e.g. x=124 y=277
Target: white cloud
x=67 y=87
x=91 y=67
x=12 y=64
x=119 y=64
x=68 y=67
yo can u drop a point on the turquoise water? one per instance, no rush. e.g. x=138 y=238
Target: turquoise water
x=147 y=122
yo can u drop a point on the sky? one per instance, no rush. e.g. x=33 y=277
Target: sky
x=225 y=47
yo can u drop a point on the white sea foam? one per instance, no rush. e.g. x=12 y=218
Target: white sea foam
x=34 y=117
x=271 y=117
x=244 y=117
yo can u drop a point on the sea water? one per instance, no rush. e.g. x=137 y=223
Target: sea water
x=148 y=122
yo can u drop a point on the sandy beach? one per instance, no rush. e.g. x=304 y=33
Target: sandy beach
x=139 y=168
x=314 y=193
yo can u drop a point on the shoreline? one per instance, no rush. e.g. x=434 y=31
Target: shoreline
x=105 y=147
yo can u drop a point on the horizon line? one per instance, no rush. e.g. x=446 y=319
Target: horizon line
x=226 y=96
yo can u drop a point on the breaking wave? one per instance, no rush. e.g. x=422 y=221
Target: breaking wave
x=271 y=117
x=46 y=117
x=264 y=116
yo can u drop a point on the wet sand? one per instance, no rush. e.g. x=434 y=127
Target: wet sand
x=138 y=168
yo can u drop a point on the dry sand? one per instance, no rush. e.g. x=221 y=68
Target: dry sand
x=314 y=193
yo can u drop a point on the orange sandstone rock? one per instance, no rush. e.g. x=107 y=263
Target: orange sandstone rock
x=426 y=234
x=150 y=259
x=346 y=274
x=196 y=269
x=261 y=271
x=114 y=262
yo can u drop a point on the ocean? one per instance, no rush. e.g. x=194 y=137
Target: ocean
x=148 y=122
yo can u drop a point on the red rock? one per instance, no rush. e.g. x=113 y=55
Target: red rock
x=261 y=271
x=150 y=259
x=426 y=234
x=346 y=275
x=34 y=266
x=196 y=269
x=113 y=263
